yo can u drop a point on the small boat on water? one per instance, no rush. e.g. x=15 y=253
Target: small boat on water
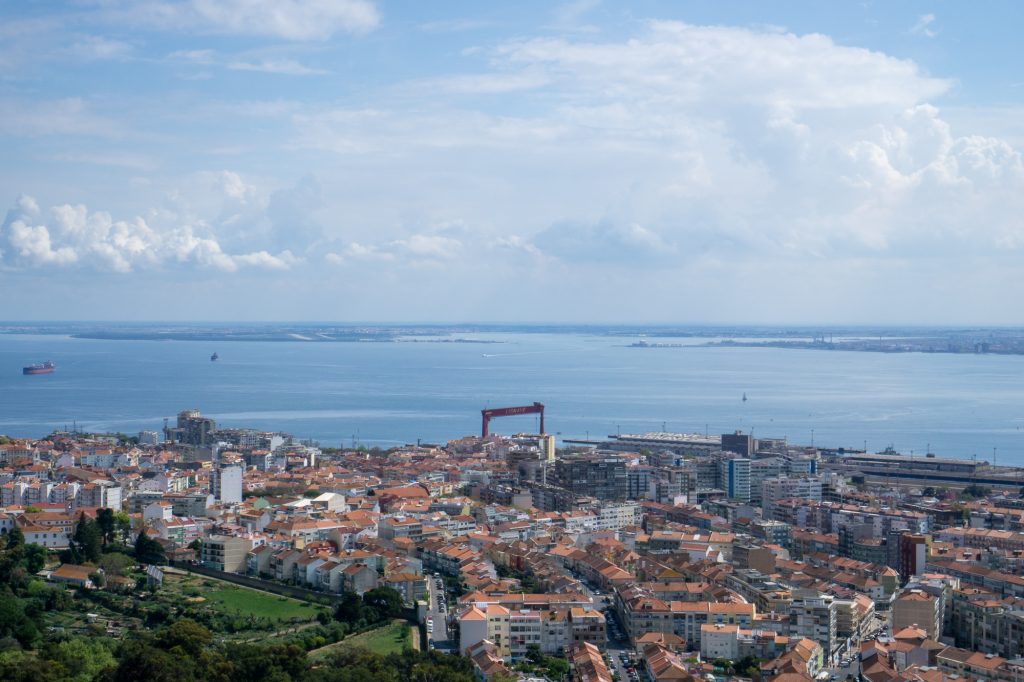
x=214 y=357
x=744 y=397
x=40 y=368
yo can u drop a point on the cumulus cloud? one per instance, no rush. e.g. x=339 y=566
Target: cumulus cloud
x=690 y=140
x=72 y=235
x=296 y=20
x=678 y=149
x=234 y=187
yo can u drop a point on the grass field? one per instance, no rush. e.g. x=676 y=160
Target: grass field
x=240 y=601
x=231 y=599
x=387 y=639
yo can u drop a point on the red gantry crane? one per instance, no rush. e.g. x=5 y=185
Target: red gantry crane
x=536 y=408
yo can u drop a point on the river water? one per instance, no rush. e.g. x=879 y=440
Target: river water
x=593 y=385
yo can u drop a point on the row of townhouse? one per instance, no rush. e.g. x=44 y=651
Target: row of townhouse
x=617 y=515
x=448 y=558
x=767 y=593
x=304 y=530
x=181 y=531
x=810 y=614
x=829 y=517
x=980 y=621
x=347 y=572
x=733 y=643
x=189 y=503
x=52 y=530
x=515 y=631
x=297 y=565
x=997 y=582
x=71 y=494
x=411 y=528
x=683 y=619
x=700 y=546
x=981 y=538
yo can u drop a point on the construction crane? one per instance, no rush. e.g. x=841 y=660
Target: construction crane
x=536 y=408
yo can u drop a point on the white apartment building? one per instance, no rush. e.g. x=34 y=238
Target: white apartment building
x=785 y=487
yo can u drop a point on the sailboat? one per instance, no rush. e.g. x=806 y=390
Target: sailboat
x=744 y=397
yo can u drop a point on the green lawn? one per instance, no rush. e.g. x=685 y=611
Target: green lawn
x=246 y=602
x=387 y=639
x=233 y=600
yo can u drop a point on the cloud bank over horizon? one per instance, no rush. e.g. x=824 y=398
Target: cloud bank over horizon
x=670 y=171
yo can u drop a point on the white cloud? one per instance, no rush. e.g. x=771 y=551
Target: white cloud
x=204 y=57
x=681 y=64
x=234 y=187
x=274 y=65
x=417 y=249
x=454 y=25
x=569 y=16
x=296 y=20
x=489 y=83
x=688 y=141
x=67 y=116
x=288 y=67
x=675 y=158
x=98 y=48
x=76 y=236
x=923 y=26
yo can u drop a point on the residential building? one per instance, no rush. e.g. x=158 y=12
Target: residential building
x=225 y=553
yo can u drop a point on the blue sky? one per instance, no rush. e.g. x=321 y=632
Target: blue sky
x=594 y=161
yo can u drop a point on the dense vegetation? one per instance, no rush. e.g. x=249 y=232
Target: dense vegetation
x=161 y=638
x=185 y=652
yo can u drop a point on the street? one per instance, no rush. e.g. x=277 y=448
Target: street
x=618 y=646
x=437 y=615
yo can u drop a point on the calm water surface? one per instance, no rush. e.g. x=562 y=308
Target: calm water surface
x=388 y=393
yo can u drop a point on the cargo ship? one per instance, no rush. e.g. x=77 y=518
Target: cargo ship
x=39 y=368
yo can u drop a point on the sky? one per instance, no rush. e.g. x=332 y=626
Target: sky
x=593 y=161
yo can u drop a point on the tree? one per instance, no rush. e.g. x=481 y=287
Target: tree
x=142 y=661
x=266 y=663
x=187 y=634
x=148 y=550
x=350 y=609
x=115 y=563
x=34 y=558
x=15 y=623
x=87 y=539
x=385 y=602
x=23 y=666
x=974 y=491
x=106 y=524
x=84 y=659
x=123 y=523
x=15 y=538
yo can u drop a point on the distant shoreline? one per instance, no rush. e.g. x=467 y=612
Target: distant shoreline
x=284 y=337
x=1013 y=346
x=937 y=340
